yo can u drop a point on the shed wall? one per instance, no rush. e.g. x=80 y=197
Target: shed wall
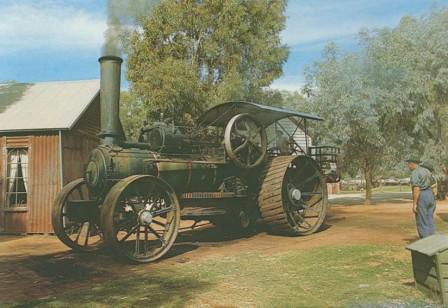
x=78 y=143
x=43 y=179
x=76 y=149
x=2 y=182
x=291 y=129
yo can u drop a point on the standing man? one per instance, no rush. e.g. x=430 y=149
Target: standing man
x=423 y=198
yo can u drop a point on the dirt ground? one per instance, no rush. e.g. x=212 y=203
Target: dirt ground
x=34 y=267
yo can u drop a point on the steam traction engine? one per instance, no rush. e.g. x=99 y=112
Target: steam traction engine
x=242 y=162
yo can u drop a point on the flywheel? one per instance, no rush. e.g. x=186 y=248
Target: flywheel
x=293 y=197
x=245 y=141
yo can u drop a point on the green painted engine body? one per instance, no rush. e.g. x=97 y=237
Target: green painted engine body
x=109 y=164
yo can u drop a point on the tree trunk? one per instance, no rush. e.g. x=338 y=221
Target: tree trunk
x=369 y=183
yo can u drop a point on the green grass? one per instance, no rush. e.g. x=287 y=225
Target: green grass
x=347 y=192
x=357 y=276
x=398 y=188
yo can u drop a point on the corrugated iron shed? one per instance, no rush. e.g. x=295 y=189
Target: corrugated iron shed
x=56 y=125
x=46 y=105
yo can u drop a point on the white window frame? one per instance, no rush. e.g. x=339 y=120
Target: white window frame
x=20 y=160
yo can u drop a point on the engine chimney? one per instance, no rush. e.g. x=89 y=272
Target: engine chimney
x=111 y=129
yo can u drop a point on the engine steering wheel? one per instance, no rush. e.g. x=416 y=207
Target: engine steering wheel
x=245 y=141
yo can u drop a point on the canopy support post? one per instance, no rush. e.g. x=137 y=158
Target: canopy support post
x=306 y=137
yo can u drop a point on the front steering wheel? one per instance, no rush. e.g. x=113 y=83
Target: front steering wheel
x=245 y=141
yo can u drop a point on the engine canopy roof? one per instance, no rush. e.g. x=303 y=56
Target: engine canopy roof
x=220 y=115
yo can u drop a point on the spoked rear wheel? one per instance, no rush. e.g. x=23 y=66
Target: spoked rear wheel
x=293 y=197
x=140 y=218
x=75 y=218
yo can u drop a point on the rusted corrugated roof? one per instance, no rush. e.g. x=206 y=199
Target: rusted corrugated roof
x=46 y=105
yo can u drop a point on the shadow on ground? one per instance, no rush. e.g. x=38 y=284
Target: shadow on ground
x=43 y=277
x=443 y=216
x=409 y=240
x=59 y=279
x=8 y=238
x=214 y=235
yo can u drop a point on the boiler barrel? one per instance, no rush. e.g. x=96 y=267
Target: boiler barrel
x=107 y=166
x=190 y=176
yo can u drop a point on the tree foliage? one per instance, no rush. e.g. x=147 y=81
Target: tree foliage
x=388 y=100
x=353 y=93
x=418 y=48
x=132 y=115
x=193 y=54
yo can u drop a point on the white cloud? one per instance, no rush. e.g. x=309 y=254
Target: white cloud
x=314 y=21
x=288 y=83
x=32 y=26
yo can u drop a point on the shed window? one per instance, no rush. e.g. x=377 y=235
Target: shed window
x=17 y=178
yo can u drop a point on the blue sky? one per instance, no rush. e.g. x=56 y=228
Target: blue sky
x=61 y=39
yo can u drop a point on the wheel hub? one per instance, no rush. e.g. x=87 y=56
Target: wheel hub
x=295 y=197
x=296 y=194
x=92 y=173
x=145 y=218
x=244 y=219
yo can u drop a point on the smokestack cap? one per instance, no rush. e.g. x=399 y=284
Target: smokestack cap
x=110 y=58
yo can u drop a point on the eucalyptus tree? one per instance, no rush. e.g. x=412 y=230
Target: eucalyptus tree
x=192 y=54
x=132 y=115
x=418 y=47
x=363 y=106
x=388 y=100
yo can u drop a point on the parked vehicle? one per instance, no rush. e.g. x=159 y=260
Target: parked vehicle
x=238 y=164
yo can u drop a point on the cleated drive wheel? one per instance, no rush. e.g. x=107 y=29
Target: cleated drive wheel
x=79 y=233
x=140 y=218
x=293 y=196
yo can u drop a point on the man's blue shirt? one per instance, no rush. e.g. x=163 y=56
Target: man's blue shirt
x=421 y=177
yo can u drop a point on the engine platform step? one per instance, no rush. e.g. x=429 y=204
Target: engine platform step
x=209 y=195
x=203 y=212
